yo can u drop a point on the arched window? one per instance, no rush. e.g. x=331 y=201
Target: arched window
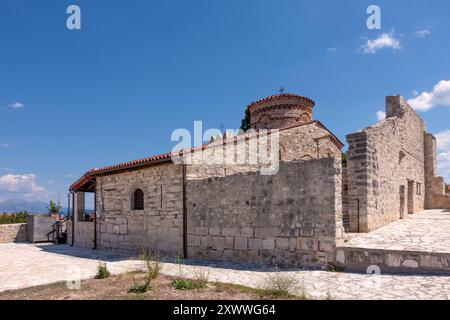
x=138 y=200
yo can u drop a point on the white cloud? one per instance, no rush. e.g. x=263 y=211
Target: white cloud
x=333 y=50
x=17 y=105
x=440 y=96
x=21 y=186
x=381 y=115
x=443 y=157
x=4 y=145
x=70 y=176
x=443 y=140
x=423 y=33
x=385 y=40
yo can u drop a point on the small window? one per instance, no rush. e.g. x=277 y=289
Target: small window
x=419 y=189
x=138 y=200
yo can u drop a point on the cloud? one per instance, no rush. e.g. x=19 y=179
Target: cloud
x=381 y=115
x=443 y=156
x=4 y=145
x=70 y=176
x=423 y=33
x=385 y=40
x=333 y=50
x=21 y=186
x=17 y=105
x=440 y=96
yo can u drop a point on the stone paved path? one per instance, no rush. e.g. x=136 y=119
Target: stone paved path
x=25 y=265
x=427 y=231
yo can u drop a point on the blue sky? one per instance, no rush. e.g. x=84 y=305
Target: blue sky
x=116 y=89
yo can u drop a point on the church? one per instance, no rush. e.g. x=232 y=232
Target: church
x=237 y=210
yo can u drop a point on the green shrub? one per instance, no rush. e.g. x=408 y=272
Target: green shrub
x=139 y=288
x=20 y=217
x=102 y=271
x=186 y=284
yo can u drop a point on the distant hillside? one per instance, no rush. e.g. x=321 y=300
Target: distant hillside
x=11 y=206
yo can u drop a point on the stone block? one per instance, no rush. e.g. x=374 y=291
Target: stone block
x=229 y=242
x=240 y=243
x=282 y=243
x=255 y=244
x=230 y=232
x=393 y=260
x=326 y=246
x=123 y=229
x=340 y=257
x=199 y=231
x=247 y=232
x=219 y=243
x=214 y=231
x=268 y=244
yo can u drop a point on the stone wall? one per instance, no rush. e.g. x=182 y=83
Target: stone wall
x=158 y=226
x=306 y=142
x=84 y=234
x=13 y=232
x=293 y=218
x=386 y=171
x=436 y=196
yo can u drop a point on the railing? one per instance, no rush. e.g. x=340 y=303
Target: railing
x=59 y=231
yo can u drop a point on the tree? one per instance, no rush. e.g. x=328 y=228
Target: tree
x=54 y=208
x=245 y=124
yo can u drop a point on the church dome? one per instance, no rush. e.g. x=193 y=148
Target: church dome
x=280 y=111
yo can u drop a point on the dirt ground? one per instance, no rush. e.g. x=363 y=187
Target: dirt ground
x=116 y=288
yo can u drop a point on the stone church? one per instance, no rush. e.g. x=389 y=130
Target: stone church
x=231 y=211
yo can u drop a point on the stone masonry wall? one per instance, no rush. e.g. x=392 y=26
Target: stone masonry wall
x=289 y=219
x=158 y=226
x=13 y=232
x=84 y=234
x=436 y=196
x=386 y=171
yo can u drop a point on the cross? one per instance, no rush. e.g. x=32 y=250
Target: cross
x=281 y=90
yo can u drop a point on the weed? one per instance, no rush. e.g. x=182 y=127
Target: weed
x=102 y=271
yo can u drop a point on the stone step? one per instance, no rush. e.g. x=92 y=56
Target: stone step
x=392 y=261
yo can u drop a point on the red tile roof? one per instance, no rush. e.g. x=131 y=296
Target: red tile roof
x=281 y=95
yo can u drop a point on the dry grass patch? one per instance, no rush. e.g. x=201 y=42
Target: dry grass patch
x=116 y=288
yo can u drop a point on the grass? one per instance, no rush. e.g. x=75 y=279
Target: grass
x=117 y=287
x=102 y=271
x=261 y=293
x=139 y=288
x=187 y=284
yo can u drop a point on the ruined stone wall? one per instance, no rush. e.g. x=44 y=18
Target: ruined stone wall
x=157 y=227
x=386 y=171
x=13 y=232
x=292 y=218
